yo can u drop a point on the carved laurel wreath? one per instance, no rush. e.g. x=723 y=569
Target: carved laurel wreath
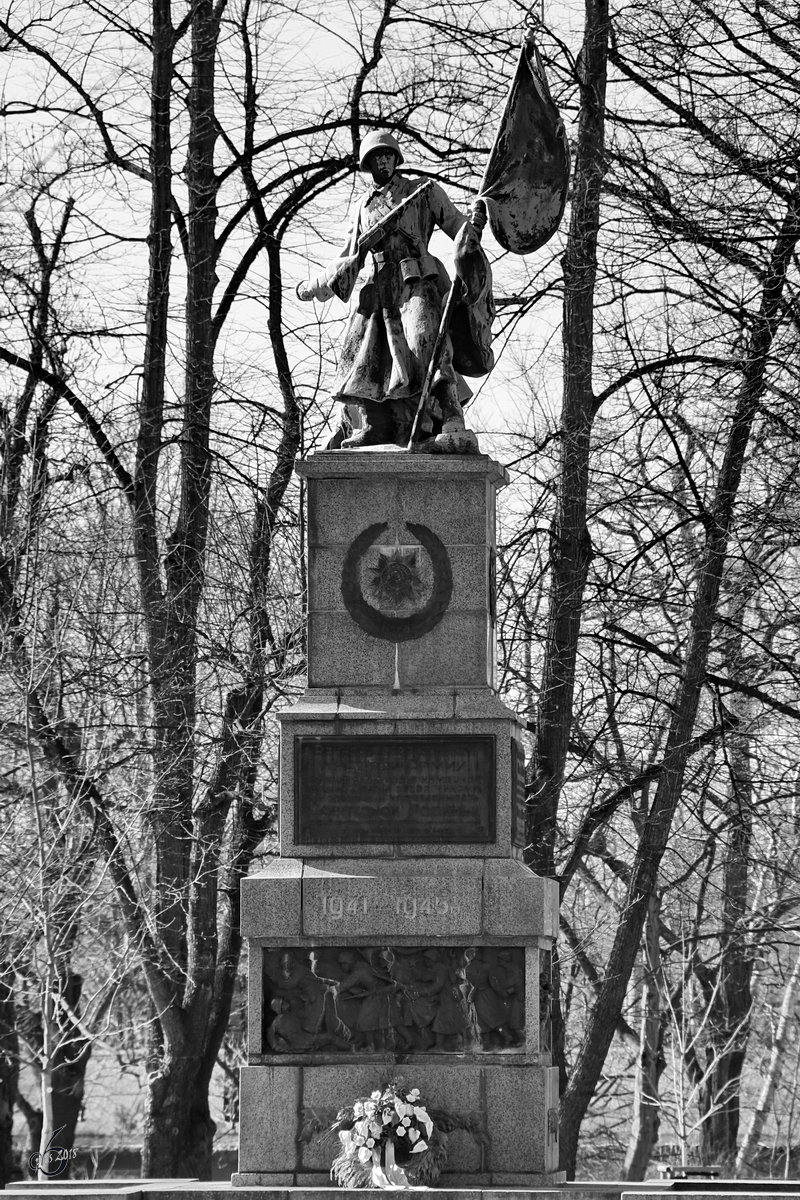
x=371 y=619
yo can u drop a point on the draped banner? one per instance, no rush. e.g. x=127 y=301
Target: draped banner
x=526 y=179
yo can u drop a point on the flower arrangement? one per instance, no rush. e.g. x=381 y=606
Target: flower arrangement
x=389 y=1140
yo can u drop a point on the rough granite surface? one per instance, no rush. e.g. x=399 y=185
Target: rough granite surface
x=439 y=682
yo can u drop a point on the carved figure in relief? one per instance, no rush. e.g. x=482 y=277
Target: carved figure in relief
x=418 y=1003
x=304 y=1015
x=435 y=999
x=451 y=1023
x=489 y=997
x=303 y=991
x=380 y=1009
x=510 y=982
x=468 y=992
x=347 y=1006
x=286 y=1032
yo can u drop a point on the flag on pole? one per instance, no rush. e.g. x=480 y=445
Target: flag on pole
x=527 y=175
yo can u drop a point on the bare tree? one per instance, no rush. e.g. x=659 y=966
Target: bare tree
x=197 y=199
x=679 y=369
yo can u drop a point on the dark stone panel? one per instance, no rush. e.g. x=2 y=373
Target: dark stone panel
x=401 y=1000
x=377 y=790
x=545 y=1001
x=517 y=793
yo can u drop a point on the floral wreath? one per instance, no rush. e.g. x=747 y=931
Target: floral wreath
x=389 y=1140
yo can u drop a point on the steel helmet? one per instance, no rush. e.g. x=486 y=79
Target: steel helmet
x=378 y=140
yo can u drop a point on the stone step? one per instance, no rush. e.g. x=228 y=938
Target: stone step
x=615 y=1189
x=192 y=1189
x=724 y=1189
x=103 y=1185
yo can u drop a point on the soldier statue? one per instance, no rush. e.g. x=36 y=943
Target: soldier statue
x=411 y=336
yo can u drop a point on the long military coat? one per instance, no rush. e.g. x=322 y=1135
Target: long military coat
x=397 y=303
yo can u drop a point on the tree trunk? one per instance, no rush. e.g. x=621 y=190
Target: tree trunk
x=570 y=545
x=646 y=1101
x=729 y=1019
x=180 y=1131
x=178 y=1126
x=49 y=1035
x=774 y=1071
x=68 y=1071
x=730 y=999
x=9 y=1073
x=33 y=1120
x=655 y=834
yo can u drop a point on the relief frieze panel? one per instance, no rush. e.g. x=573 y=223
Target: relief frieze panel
x=403 y=1000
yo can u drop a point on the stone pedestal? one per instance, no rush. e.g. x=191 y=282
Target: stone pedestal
x=400 y=933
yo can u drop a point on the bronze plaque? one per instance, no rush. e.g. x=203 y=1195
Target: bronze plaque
x=378 y=790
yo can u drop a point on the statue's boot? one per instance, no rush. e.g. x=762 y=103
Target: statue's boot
x=376 y=429
x=455 y=438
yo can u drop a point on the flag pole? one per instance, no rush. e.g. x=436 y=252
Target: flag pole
x=455 y=293
x=436 y=355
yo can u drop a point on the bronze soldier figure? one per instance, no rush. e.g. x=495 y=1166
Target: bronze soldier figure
x=396 y=307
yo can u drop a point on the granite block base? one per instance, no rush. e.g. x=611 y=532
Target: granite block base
x=506 y=1119
x=347 y=899
x=412 y=810
x=437 y=520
